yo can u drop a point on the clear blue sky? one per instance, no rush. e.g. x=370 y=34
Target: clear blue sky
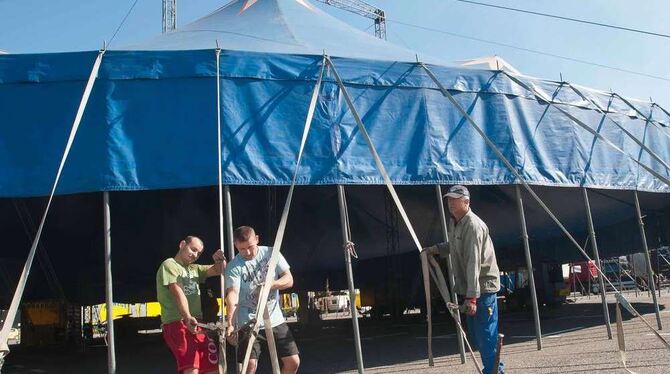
x=71 y=25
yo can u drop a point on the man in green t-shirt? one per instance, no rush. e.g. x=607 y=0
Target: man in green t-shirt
x=178 y=291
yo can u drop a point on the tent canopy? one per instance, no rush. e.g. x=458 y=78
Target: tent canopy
x=150 y=124
x=277 y=26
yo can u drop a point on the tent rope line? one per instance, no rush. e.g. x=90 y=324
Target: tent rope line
x=438 y=278
x=618 y=125
x=499 y=154
x=18 y=293
x=587 y=128
x=276 y=248
x=426 y=269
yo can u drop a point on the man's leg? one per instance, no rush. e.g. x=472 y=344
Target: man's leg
x=243 y=340
x=486 y=325
x=251 y=367
x=287 y=350
x=290 y=364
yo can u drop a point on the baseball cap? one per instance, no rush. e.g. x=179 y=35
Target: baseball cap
x=457 y=191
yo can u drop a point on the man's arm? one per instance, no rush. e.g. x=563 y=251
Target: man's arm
x=285 y=281
x=182 y=306
x=473 y=240
x=232 y=298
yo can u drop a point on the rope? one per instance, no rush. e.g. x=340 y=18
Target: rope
x=438 y=278
x=274 y=257
x=396 y=200
x=16 y=299
x=350 y=247
x=511 y=168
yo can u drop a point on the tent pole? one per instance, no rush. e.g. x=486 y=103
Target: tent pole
x=111 y=353
x=452 y=281
x=650 y=273
x=228 y=209
x=529 y=266
x=346 y=239
x=596 y=258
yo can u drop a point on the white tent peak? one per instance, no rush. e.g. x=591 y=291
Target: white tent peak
x=490 y=63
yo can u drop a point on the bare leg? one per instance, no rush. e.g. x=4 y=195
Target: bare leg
x=290 y=364
x=251 y=368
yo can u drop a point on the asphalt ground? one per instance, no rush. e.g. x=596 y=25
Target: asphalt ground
x=574 y=340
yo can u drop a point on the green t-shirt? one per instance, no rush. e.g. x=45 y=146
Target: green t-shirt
x=189 y=278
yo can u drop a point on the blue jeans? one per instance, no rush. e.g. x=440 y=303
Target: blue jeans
x=483 y=330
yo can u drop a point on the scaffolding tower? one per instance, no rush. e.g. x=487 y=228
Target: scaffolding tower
x=169 y=15
x=364 y=9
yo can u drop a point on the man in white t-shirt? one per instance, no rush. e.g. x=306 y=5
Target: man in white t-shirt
x=245 y=275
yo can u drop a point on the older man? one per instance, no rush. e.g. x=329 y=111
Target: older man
x=475 y=271
x=177 y=286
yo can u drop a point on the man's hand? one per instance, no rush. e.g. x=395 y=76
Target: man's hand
x=438 y=249
x=191 y=324
x=219 y=257
x=432 y=250
x=220 y=260
x=470 y=306
x=230 y=335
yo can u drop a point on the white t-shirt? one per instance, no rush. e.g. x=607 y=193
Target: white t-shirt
x=247 y=276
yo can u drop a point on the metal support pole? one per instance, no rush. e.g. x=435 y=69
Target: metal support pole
x=658 y=271
x=450 y=268
x=650 y=273
x=529 y=266
x=230 y=243
x=596 y=258
x=111 y=353
x=228 y=209
x=618 y=261
x=346 y=238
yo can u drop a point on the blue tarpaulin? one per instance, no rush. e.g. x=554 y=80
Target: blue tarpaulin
x=151 y=119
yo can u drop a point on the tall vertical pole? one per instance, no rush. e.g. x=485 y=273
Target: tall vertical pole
x=228 y=209
x=596 y=257
x=111 y=353
x=450 y=269
x=529 y=266
x=346 y=238
x=658 y=271
x=650 y=273
x=230 y=243
x=618 y=261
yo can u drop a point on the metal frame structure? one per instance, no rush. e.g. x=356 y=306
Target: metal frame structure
x=364 y=9
x=169 y=15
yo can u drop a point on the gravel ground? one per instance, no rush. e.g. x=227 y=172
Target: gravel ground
x=575 y=340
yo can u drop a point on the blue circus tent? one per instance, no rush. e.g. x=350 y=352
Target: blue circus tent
x=151 y=117
x=151 y=124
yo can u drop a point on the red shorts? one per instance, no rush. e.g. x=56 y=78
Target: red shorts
x=196 y=351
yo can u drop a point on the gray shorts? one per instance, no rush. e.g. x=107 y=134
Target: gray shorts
x=283 y=340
